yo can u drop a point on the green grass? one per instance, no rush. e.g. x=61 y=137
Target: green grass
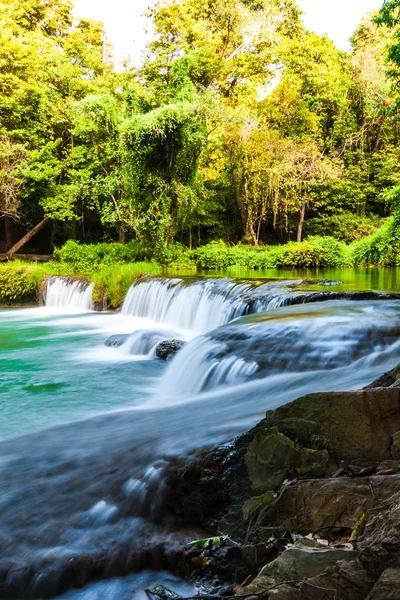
x=21 y=282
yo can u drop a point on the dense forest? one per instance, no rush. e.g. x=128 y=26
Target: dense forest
x=241 y=125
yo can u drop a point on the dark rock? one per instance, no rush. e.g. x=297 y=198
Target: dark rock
x=317 y=503
x=388 y=586
x=321 y=282
x=387 y=380
x=343 y=581
x=167 y=350
x=302 y=561
x=272 y=456
x=355 y=427
x=115 y=341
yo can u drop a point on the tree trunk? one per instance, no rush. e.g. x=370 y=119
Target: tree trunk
x=26 y=238
x=301 y=221
x=190 y=239
x=121 y=235
x=247 y=228
x=8 y=232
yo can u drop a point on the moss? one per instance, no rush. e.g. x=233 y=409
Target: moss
x=256 y=504
x=272 y=457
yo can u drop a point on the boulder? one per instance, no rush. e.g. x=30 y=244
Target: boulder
x=115 y=341
x=302 y=561
x=272 y=456
x=354 y=427
x=387 y=587
x=166 y=350
x=343 y=581
x=318 y=503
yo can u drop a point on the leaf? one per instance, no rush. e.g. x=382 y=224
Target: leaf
x=208 y=542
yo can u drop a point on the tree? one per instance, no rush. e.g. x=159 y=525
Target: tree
x=235 y=42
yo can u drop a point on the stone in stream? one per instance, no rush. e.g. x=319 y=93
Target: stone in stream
x=115 y=341
x=166 y=350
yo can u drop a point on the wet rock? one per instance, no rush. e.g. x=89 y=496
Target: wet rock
x=115 y=341
x=167 y=350
x=343 y=581
x=272 y=456
x=297 y=563
x=317 y=503
x=387 y=379
x=355 y=427
x=321 y=282
x=388 y=586
x=256 y=504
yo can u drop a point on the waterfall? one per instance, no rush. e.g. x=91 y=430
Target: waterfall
x=297 y=339
x=63 y=292
x=200 y=305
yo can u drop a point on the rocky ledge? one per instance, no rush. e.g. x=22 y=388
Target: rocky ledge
x=310 y=496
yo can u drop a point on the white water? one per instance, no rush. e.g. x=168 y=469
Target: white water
x=91 y=487
x=66 y=293
x=199 y=306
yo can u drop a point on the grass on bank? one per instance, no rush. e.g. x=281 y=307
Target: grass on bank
x=23 y=282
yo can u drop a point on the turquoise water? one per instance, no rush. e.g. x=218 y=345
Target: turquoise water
x=86 y=430
x=54 y=368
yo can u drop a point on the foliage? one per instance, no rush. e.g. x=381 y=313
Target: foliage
x=20 y=282
x=314 y=252
x=86 y=258
x=240 y=125
x=381 y=249
x=23 y=282
x=113 y=282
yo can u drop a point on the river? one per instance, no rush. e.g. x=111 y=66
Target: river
x=85 y=427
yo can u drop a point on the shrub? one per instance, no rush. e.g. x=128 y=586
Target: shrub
x=85 y=258
x=20 y=283
x=380 y=249
x=315 y=252
x=114 y=281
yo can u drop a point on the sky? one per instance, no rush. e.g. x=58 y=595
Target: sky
x=126 y=27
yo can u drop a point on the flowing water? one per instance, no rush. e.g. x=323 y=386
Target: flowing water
x=86 y=427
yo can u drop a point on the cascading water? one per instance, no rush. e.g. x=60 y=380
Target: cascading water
x=200 y=305
x=296 y=339
x=80 y=495
x=62 y=292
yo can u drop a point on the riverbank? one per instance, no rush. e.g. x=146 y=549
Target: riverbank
x=310 y=497
x=21 y=283
x=112 y=268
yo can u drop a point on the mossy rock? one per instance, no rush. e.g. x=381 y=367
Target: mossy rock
x=272 y=456
x=255 y=505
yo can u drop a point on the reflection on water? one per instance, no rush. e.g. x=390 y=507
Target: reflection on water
x=361 y=279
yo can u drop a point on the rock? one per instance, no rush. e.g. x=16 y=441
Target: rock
x=167 y=350
x=317 y=503
x=321 y=282
x=388 y=586
x=115 y=341
x=272 y=456
x=255 y=556
x=387 y=380
x=395 y=449
x=257 y=503
x=297 y=563
x=355 y=427
x=344 y=581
